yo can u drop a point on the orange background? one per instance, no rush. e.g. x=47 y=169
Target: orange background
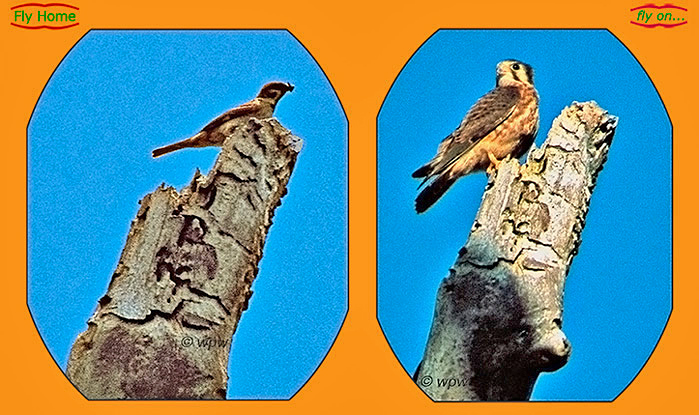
x=361 y=46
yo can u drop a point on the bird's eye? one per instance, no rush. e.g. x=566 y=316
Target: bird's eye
x=515 y=66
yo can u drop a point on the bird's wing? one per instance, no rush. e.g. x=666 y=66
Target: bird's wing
x=239 y=111
x=487 y=113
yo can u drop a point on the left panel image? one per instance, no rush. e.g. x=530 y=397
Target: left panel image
x=170 y=175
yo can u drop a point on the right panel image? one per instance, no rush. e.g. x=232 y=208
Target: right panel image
x=524 y=216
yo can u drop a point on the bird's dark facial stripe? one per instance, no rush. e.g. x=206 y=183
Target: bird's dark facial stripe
x=530 y=73
x=519 y=71
x=275 y=89
x=272 y=92
x=514 y=75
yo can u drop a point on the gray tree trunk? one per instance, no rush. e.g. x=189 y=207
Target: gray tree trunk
x=498 y=316
x=164 y=328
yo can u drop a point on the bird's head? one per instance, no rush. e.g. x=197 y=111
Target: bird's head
x=512 y=71
x=275 y=90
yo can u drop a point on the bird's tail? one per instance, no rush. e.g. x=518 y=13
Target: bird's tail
x=187 y=142
x=423 y=171
x=433 y=192
x=167 y=149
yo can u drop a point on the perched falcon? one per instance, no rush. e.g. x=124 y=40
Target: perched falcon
x=503 y=123
x=215 y=132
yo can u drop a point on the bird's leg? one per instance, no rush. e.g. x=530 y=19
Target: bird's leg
x=494 y=163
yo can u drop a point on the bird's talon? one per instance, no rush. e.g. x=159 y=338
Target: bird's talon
x=494 y=163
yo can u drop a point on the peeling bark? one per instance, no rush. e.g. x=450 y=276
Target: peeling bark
x=163 y=330
x=498 y=315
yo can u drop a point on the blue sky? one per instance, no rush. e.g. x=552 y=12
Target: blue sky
x=119 y=94
x=618 y=292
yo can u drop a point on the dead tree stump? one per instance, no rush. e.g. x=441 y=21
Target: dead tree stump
x=498 y=315
x=163 y=330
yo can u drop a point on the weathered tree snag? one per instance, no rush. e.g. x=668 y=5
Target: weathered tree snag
x=164 y=328
x=498 y=316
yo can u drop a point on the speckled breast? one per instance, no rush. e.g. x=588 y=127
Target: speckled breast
x=516 y=135
x=525 y=121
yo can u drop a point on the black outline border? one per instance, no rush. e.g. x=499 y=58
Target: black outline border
x=672 y=207
x=347 y=219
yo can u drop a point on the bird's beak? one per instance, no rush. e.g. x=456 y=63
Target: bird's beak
x=290 y=87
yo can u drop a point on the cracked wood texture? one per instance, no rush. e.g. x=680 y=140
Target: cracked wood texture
x=164 y=328
x=498 y=316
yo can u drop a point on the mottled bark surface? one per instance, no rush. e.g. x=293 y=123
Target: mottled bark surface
x=498 y=316
x=164 y=328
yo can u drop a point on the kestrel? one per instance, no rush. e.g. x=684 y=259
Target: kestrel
x=215 y=132
x=502 y=123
